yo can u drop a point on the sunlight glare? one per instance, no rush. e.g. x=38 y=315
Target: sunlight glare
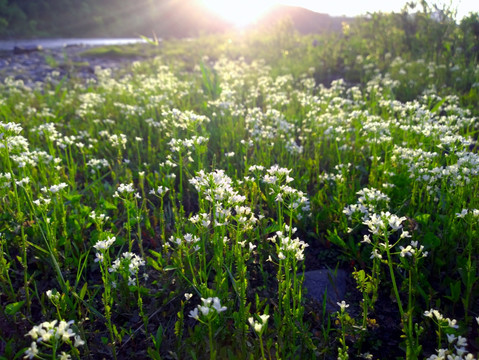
x=239 y=12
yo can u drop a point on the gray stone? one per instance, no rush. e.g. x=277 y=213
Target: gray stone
x=20 y=50
x=317 y=282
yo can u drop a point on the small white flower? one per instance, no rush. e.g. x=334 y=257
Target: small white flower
x=428 y=313
x=194 y=314
x=461 y=341
x=56 y=188
x=32 y=351
x=451 y=338
x=64 y=356
x=78 y=341
x=105 y=244
x=217 y=306
x=375 y=254
x=205 y=310
x=406 y=251
x=343 y=305
x=366 y=239
x=99 y=257
x=264 y=318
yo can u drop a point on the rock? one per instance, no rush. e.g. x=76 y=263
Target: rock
x=318 y=281
x=19 y=50
x=28 y=64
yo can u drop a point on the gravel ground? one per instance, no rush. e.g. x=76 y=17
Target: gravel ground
x=36 y=66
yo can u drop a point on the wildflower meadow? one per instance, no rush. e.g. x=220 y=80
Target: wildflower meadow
x=170 y=209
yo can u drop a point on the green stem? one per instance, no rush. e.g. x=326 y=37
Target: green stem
x=261 y=346
x=210 y=335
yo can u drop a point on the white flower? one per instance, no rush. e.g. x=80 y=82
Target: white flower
x=343 y=305
x=257 y=326
x=366 y=239
x=406 y=251
x=461 y=341
x=56 y=188
x=428 y=313
x=104 y=244
x=32 y=351
x=451 y=338
x=99 y=257
x=462 y=214
x=264 y=318
x=205 y=310
x=217 y=306
x=375 y=254
x=64 y=356
x=395 y=222
x=194 y=314
x=35 y=332
x=78 y=341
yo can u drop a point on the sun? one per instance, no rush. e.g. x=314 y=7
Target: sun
x=239 y=12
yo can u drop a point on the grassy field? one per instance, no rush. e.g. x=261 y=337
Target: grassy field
x=168 y=210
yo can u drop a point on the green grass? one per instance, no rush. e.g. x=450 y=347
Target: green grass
x=171 y=209
x=123 y=51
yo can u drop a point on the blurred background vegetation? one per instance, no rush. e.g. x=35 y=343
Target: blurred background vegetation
x=404 y=45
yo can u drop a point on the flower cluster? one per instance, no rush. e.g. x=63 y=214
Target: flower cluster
x=126 y=189
x=210 y=307
x=54 y=188
x=130 y=263
x=369 y=201
x=188 y=240
x=286 y=246
x=456 y=349
x=50 y=334
x=380 y=224
x=278 y=179
x=102 y=246
x=465 y=212
x=259 y=326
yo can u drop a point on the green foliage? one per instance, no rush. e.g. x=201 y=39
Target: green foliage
x=173 y=206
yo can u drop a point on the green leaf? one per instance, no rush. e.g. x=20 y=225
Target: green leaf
x=12 y=309
x=83 y=291
x=154 y=264
x=438 y=105
x=423 y=219
x=108 y=205
x=336 y=240
x=73 y=198
x=431 y=241
x=455 y=288
x=153 y=354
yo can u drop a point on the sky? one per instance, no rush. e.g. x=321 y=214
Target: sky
x=243 y=12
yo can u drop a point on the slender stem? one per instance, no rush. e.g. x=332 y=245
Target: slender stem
x=261 y=346
x=210 y=333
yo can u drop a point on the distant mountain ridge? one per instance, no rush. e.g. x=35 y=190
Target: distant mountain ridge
x=126 y=18
x=305 y=21
x=190 y=18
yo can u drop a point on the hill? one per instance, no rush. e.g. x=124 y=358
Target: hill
x=304 y=20
x=126 y=18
